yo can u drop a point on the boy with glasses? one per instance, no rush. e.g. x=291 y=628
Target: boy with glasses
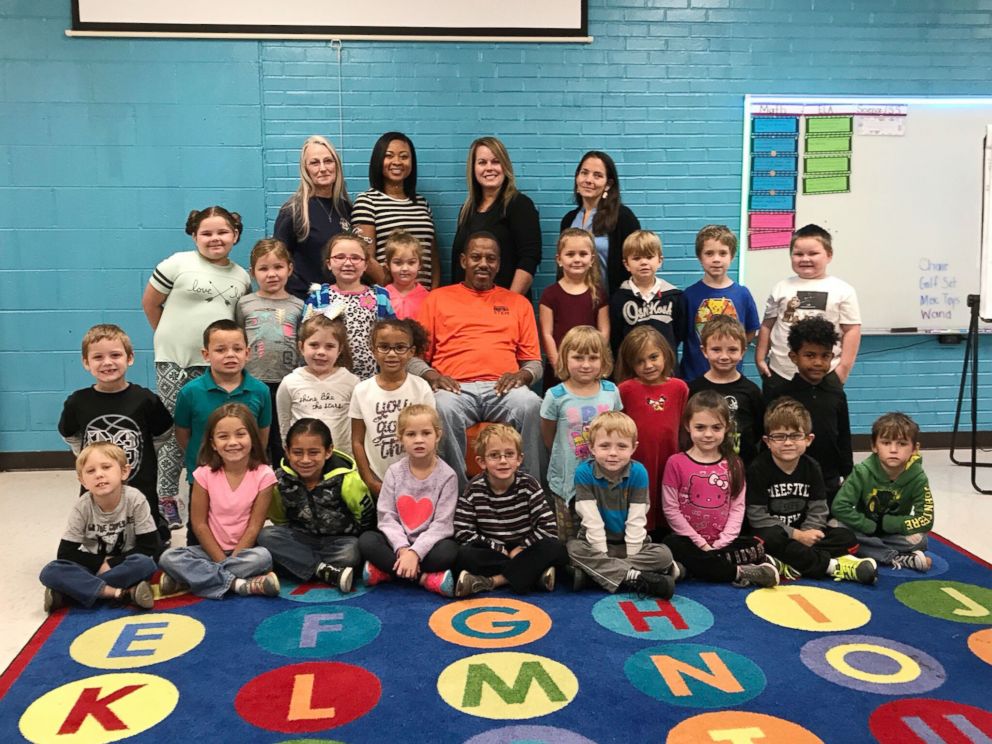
x=787 y=504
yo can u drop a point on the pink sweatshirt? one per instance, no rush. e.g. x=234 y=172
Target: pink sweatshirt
x=697 y=502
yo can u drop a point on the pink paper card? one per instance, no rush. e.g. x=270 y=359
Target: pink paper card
x=772 y=220
x=759 y=240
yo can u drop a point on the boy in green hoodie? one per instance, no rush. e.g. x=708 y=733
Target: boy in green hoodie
x=886 y=500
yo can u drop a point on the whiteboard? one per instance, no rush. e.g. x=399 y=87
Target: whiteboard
x=547 y=18
x=905 y=215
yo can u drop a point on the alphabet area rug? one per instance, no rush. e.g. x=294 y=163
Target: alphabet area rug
x=907 y=660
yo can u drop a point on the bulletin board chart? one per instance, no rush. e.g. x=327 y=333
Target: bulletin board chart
x=898 y=182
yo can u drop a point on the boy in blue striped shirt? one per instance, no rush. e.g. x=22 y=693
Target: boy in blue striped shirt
x=611 y=500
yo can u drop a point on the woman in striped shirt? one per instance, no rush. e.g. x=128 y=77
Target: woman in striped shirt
x=394 y=204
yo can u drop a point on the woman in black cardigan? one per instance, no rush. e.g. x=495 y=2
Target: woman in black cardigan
x=494 y=205
x=597 y=192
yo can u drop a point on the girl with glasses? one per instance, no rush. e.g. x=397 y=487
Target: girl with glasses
x=377 y=402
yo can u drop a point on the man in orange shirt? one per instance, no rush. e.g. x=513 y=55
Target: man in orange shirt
x=482 y=358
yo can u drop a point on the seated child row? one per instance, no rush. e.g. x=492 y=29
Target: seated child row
x=648 y=392
x=503 y=530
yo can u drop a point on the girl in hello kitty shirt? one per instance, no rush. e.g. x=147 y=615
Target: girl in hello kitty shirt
x=703 y=501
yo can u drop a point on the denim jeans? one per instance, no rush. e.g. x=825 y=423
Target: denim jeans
x=205 y=578
x=477 y=402
x=884 y=548
x=76 y=581
x=300 y=552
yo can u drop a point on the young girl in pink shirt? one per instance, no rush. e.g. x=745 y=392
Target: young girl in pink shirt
x=231 y=492
x=703 y=500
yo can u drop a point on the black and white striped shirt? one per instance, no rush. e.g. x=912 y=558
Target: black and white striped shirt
x=387 y=214
x=520 y=516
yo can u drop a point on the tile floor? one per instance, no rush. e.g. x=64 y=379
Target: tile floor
x=34 y=506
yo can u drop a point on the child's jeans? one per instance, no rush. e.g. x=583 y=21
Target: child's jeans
x=206 y=578
x=883 y=548
x=609 y=569
x=76 y=581
x=300 y=552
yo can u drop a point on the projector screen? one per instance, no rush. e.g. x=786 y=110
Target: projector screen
x=399 y=18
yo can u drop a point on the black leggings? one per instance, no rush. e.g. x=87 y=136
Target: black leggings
x=715 y=565
x=522 y=571
x=376 y=549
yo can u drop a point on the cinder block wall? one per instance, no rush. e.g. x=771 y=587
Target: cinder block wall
x=106 y=144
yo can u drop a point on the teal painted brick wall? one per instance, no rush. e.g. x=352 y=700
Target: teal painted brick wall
x=106 y=144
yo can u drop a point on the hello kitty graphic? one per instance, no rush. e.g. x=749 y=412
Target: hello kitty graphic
x=708 y=492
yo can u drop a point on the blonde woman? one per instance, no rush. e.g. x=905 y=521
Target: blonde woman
x=495 y=206
x=318 y=211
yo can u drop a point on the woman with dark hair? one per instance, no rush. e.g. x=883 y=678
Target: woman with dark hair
x=597 y=192
x=494 y=205
x=317 y=212
x=393 y=204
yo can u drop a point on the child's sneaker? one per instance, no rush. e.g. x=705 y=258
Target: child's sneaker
x=849 y=568
x=371 y=575
x=139 y=595
x=917 y=560
x=471 y=584
x=756 y=574
x=575 y=578
x=266 y=585
x=333 y=576
x=53 y=600
x=169 y=509
x=547 y=580
x=785 y=571
x=439 y=582
x=168 y=586
x=652 y=584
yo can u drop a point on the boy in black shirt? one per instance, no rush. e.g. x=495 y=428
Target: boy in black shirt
x=811 y=344
x=787 y=506
x=117 y=411
x=723 y=342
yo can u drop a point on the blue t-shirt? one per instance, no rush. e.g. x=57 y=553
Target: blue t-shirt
x=571 y=446
x=700 y=304
x=201 y=396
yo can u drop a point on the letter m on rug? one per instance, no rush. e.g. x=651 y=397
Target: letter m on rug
x=717 y=675
x=529 y=672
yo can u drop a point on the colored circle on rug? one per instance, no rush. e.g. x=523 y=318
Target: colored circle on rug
x=108 y=707
x=653 y=619
x=137 y=641
x=948 y=600
x=740 y=726
x=938 y=567
x=317 y=632
x=691 y=675
x=873 y=664
x=316 y=592
x=310 y=741
x=929 y=720
x=811 y=608
x=980 y=644
x=507 y=685
x=529 y=735
x=311 y=696
x=492 y=622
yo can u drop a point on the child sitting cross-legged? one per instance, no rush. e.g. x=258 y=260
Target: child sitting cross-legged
x=231 y=493
x=787 y=504
x=109 y=546
x=319 y=509
x=504 y=523
x=887 y=499
x=611 y=501
x=416 y=511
